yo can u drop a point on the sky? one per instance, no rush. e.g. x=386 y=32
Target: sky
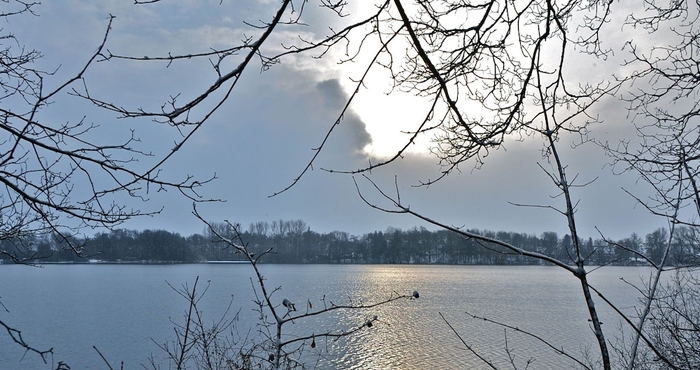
x=264 y=134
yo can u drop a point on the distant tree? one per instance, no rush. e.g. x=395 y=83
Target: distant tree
x=550 y=243
x=259 y=228
x=629 y=249
x=686 y=248
x=656 y=242
x=105 y=243
x=378 y=246
x=337 y=247
x=200 y=246
x=44 y=250
x=396 y=246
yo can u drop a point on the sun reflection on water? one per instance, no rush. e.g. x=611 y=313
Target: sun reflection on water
x=411 y=334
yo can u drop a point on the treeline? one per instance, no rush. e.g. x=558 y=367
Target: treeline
x=294 y=242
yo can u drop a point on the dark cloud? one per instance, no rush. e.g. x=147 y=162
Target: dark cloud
x=260 y=141
x=351 y=128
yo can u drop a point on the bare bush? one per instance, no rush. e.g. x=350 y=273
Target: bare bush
x=268 y=344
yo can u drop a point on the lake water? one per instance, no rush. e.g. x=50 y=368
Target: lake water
x=123 y=309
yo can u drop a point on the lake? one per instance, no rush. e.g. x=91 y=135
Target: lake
x=124 y=310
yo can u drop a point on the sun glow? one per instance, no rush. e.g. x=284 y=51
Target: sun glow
x=391 y=116
x=391 y=119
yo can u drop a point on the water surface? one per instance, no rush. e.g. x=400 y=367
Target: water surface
x=124 y=310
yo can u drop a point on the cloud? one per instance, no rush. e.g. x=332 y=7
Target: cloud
x=259 y=142
x=351 y=128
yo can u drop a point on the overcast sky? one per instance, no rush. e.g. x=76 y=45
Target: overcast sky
x=263 y=136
